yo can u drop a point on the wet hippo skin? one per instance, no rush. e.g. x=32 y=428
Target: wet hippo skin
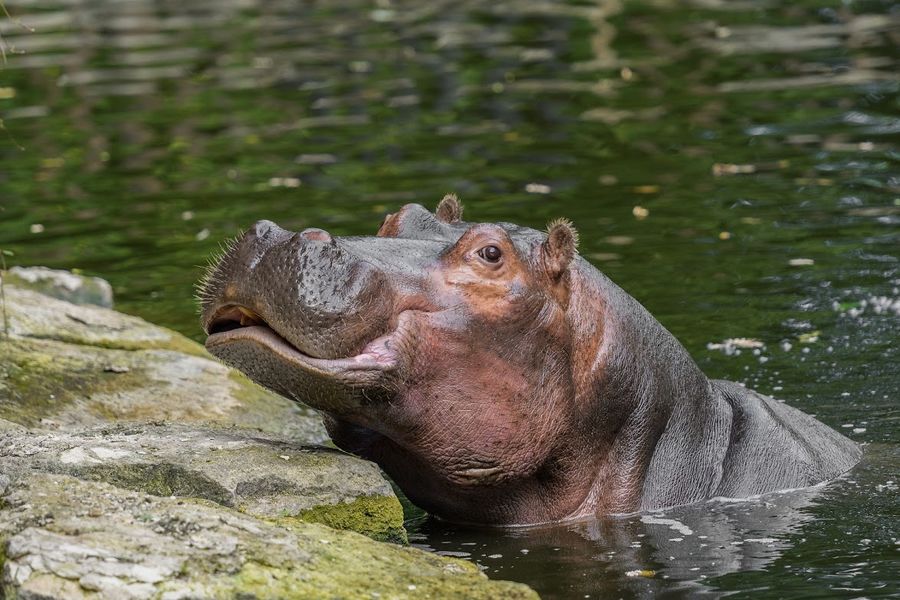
x=497 y=376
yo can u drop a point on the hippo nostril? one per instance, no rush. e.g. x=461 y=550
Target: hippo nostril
x=314 y=235
x=262 y=228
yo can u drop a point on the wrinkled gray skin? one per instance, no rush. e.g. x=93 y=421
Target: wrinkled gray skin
x=531 y=392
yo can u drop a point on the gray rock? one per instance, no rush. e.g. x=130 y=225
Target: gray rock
x=10 y=426
x=70 y=366
x=36 y=315
x=62 y=537
x=267 y=478
x=65 y=285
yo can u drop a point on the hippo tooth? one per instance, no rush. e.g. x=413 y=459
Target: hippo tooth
x=248 y=317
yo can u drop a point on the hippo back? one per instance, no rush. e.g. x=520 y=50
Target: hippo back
x=763 y=432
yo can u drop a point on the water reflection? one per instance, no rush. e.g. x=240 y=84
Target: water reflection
x=642 y=556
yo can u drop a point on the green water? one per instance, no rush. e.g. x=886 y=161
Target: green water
x=732 y=164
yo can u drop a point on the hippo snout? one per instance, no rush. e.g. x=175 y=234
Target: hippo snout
x=308 y=287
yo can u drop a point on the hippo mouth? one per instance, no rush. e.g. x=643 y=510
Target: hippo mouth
x=235 y=326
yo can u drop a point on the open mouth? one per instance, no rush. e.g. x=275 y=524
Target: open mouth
x=229 y=318
x=234 y=324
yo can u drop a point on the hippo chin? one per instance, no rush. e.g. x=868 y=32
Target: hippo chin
x=495 y=375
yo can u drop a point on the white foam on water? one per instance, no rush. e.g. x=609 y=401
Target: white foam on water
x=671 y=523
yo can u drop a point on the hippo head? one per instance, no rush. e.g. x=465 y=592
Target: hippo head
x=442 y=350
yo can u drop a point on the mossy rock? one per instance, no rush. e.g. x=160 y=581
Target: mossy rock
x=267 y=478
x=373 y=515
x=114 y=543
x=71 y=366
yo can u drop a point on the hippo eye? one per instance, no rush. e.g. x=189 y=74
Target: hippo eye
x=491 y=254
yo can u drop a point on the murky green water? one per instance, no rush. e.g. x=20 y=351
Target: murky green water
x=732 y=164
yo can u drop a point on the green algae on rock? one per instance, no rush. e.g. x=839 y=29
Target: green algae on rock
x=373 y=515
x=118 y=543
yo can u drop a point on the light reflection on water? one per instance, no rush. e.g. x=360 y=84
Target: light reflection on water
x=701 y=549
x=678 y=549
x=733 y=165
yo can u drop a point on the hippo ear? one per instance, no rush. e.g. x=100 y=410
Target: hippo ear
x=449 y=210
x=560 y=246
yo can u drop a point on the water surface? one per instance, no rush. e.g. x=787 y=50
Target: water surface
x=731 y=164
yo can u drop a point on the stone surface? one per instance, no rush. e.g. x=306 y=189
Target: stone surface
x=70 y=366
x=116 y=544
x=65 y=285
x=35 y=315
x=267 y=478
x=10 y=426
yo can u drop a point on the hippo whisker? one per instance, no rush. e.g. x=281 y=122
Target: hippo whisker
x=204 y=289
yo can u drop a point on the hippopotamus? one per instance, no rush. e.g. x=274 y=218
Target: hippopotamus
x=495 y=375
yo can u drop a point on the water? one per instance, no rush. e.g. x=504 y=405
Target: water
x=731 y=164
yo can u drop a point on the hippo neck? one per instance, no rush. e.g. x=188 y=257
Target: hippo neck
x=655 y=417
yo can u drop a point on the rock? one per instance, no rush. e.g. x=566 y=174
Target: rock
x=70 y=366
x=34 y=315
x=65 y=285
x=10 y=426
x=113 y=543
x=270 y=479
